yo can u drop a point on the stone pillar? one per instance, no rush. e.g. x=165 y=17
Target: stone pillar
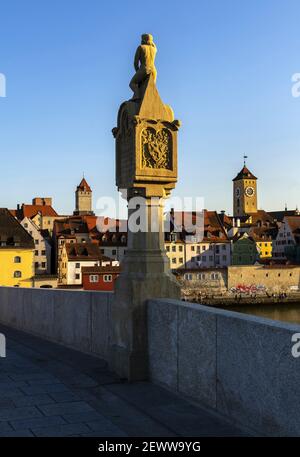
x=146 y=167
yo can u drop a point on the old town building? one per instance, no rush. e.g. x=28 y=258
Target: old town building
x=16 y=252
x=75 y=256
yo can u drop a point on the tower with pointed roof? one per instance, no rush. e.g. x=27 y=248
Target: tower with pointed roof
x=244 y=193
x=83 y=199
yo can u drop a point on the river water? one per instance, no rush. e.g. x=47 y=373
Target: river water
x=286 y=312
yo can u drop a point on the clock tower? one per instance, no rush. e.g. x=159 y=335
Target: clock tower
x=244 y=193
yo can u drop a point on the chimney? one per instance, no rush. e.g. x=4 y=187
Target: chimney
x=37 y=201
x=47 y=201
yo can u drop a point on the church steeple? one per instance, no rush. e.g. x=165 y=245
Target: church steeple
x=83 y=199
x=244 y=192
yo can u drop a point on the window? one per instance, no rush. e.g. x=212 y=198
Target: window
x=25 y=225
x=203 y=248
x=224 y=257
x=215 y=276
x=107 y=278
x=168 y=248
x=173 y=248
x=114 y=252
x=36 y=241
x=77 y=276
x=211 y=258
x=201 y=276
x=17 y=274
x=43 y=252
x=17 y=259
x=43 y=264
x=192 y=248
x=204 y=258
x=188 y=276
x=174 y=260
x=181 y=259
x=180 y=248
x=77 y=265
x=36 y=264
x=94 y=278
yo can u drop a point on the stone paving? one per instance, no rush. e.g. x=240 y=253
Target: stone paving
x=49 y=390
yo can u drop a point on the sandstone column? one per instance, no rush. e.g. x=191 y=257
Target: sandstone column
x=146 y=167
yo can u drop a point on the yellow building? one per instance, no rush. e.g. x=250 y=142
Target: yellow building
x=16 y=252
x=263 y=237
x=175 y=251
x=264 y=249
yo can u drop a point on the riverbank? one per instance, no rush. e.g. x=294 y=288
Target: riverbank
x=222 y=301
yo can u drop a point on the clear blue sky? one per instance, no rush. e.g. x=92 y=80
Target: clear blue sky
x=224 y=66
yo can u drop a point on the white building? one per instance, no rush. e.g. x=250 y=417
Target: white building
x=288 y=235
x=78 y=255
x=42 y=252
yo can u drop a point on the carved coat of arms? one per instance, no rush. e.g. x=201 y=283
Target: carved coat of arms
x=156 y=148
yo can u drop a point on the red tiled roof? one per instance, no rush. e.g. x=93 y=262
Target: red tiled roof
x=293 y=221
x=83 y=251
x=213 y=228
x=102 y=270
x=31 y=210
x=263 y=233
x=244 y=173
x=84 y=186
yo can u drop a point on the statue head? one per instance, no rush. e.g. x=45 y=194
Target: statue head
x=147 y=38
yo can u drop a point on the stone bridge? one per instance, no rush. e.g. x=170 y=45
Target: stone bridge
x=210 y=372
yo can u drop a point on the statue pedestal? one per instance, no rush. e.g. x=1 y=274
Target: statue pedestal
x=146 y=167
x=145 y=274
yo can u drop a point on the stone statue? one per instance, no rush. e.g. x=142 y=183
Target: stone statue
x=146 y=168
x=143 y=64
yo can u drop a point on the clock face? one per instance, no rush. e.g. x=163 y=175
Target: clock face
x=249 y=191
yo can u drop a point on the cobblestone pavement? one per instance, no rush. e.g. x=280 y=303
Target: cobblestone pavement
x=49 y=390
